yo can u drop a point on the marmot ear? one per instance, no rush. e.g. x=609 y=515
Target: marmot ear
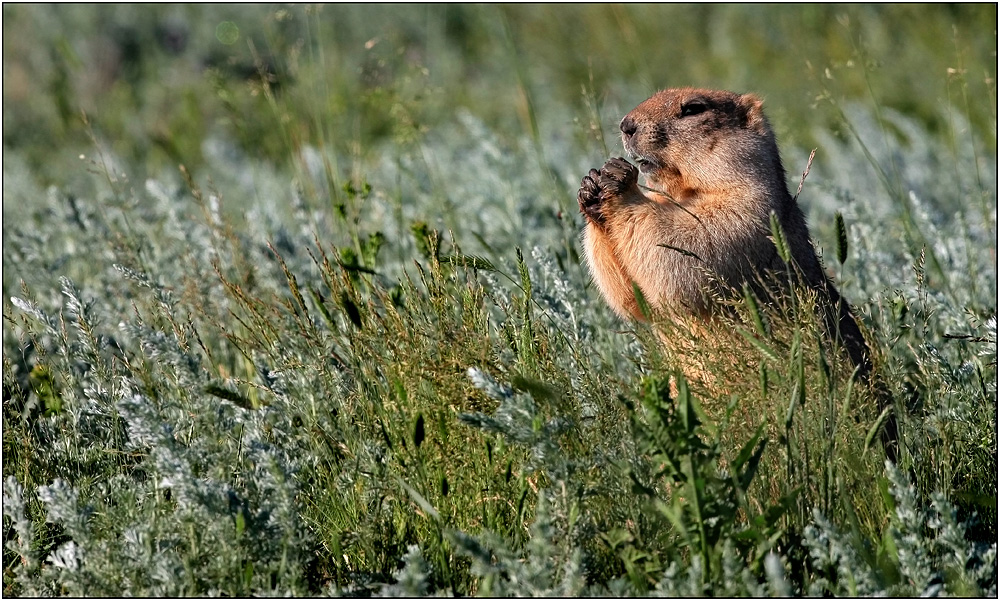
x=754 y=108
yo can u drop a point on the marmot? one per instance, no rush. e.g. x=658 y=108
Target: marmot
x=713 y=177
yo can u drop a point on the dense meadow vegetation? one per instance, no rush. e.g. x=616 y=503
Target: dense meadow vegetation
x=293 y=304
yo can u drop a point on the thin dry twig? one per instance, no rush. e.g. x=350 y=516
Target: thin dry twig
x=804 y=174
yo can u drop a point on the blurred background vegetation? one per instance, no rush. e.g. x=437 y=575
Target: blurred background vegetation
x=155 y=81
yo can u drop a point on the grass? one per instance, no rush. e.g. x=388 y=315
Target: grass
x=349 y=346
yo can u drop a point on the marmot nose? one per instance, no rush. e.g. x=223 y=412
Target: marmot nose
x=628 y=126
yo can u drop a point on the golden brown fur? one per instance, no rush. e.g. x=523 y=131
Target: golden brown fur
x=713 y=178
x=701 y=225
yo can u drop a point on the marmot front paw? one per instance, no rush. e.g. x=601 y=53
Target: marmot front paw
x=589 y=197
x=617 y=176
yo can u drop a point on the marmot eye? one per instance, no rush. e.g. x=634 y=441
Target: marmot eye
x=693 y=108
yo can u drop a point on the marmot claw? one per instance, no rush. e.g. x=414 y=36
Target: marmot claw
x=589 y=197
x=617 y=176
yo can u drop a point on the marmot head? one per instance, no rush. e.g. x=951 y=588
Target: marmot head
x=687 y=140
